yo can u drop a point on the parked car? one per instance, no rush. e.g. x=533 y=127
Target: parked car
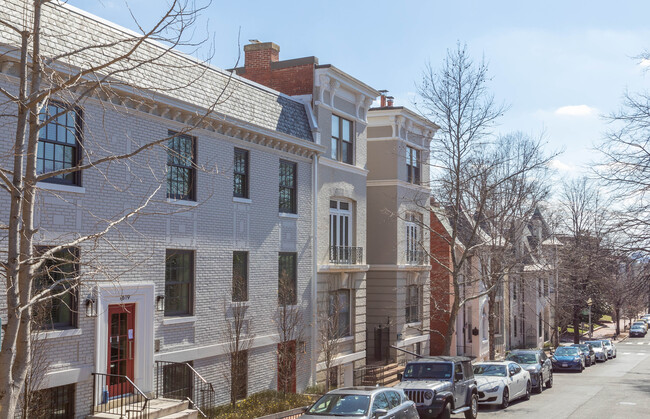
x=588 y=351
x=642 y=324
x=599 y=349
x=567 y=358
x=537 y=364
x=637 y=330
x=441 y=386
x=363 y=402
x=610 y=348
x=499 y=382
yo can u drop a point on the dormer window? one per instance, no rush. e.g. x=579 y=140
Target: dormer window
x=342 y=144
x=413 y=165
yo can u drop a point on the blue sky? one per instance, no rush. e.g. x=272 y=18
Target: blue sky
x=560 y=65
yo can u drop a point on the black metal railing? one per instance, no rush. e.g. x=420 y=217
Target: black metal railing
x=118 y=395
x=498 y=340
x=180 y=381
x=417 y=257
x=346 y=255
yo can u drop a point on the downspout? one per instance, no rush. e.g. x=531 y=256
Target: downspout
x=314 y=283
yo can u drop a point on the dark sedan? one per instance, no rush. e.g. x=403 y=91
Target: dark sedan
x=588 y=352
x=637 y=331
x=567 y=358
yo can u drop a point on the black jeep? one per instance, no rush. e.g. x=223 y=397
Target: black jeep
x=440 y=386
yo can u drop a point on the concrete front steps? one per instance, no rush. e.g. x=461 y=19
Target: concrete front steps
x=158 y=409
x=384 y=375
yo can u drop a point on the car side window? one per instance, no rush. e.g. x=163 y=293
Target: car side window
x=458 y=369
x=468 y=371
x=380 y=402
x=542 y=357
x=394 y=400
x=517 y=369
x=511 y=368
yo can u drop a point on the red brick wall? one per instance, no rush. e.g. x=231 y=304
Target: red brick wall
x=296 y=80
x=441 y=281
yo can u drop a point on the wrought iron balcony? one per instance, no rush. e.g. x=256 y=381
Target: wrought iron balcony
x=417 y=257
x=346 y=255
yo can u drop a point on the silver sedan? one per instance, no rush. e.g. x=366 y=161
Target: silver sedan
x=363 y=402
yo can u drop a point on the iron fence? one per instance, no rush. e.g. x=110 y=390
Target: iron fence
x=118 y=395
x=346 y=255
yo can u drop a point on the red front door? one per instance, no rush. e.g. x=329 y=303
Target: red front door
x=121 y=348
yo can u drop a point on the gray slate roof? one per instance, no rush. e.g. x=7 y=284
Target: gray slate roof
x=171 y=75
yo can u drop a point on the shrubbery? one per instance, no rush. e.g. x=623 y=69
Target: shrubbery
x=261 y=404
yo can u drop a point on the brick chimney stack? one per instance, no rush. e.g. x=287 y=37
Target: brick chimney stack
x=260 y=55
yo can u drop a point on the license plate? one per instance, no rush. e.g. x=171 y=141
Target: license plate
x=565 y=365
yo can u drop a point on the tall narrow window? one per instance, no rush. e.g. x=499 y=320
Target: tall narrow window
x=239 y=374
x=287 y=279
x=540 y=326
x=339 y=314
x=288 y=187
x=412 y=304
x=57 y=281
x=53 y=403
x=341 y=232
x=514 y=323
x=59 y=143
x=240 y=276
x=179 y=282
x=240 y=173
x=342 y=144
x=414 y=254
x=413 y=165
x=181 y=173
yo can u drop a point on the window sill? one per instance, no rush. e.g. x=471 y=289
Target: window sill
x=179 y=320
x=414 y=325
x=287 y=215
x=64 y=333
x=182 y=202
x=60 y=188
x=242 y=200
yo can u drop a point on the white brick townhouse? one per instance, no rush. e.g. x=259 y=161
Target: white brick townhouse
x=232 y=204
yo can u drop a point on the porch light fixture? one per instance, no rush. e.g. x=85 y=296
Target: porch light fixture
x=91 y=307
x=160 y=303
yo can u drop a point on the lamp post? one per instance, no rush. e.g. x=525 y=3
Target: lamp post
x=589 y=303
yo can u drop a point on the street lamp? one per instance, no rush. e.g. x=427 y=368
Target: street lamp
x=589 y=303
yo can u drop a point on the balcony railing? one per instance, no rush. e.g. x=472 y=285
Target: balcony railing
x=346 y=255
x=417 y=257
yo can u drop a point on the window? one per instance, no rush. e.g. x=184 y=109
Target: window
x=58 y=312
x=458 y=372
x=333 y=376
x=59 y=143
x=342 y=144
x=540 y=325
x=240 y=173
x=239 y=374
x=394 y=399
x=413 y=253
x=514 y=322
x=53 y=403
x=514 y=290
x=413 y=165
x=412 y=304
x=340 y=224
x=181 y=173
x=497 y=317
x=339 y=313
x=380 y=402
x=240 y=276
x=288 y=187
x=179 y=282
x=287 y=281
x=539 y=287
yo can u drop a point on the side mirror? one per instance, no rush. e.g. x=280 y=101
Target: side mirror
x=380 y=412
x=399 y=376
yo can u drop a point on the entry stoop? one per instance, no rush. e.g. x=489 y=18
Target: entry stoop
x=158 y=409
x=383 y=375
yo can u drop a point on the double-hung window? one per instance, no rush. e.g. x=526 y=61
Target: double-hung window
x=287 y=279
x=240 y=276
x=179 y=282
x=413 y=165
x=412 y=304
x=342 y=144
x=240 y=174
x=59 y=143
x=339 y=314
x=414 y=254
x=57 y=282
x=181 y=167
x=288 y=188
x=340 y=231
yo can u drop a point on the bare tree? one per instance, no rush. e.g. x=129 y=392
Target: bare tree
x=331 y=328
x=239 y=340
x=54 y=73
x=290 y=325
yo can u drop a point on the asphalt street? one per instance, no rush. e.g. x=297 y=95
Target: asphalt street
x=618 y=388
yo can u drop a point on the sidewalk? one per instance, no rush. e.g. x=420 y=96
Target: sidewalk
x=607 y=331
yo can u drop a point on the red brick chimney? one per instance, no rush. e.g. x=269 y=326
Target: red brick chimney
x=259 y=56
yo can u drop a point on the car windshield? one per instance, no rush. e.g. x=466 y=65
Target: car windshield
x=607 y=343
x=596 y=344
x=637 y=327
x=566 y=351
x=522 y=358
x=490 y=370
x=583 y=348
x=437 y=371
x=341 y=405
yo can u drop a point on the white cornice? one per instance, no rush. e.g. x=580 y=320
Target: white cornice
x=410 y=143
x=400 y=183
x=342 y=166
x=394 y=268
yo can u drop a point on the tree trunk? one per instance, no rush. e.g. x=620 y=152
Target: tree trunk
x=576 y=325
x=491 y=332
x=617 y=314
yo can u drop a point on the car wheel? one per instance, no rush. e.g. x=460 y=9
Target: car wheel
x=446 y=412
x=549 y=383
x=472 y=413
x=540 y=384
x=528 y=387
x=505 y=398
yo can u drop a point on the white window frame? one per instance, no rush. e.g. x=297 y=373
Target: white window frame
x=340 y=217
x=413 y=236
x=409 y=303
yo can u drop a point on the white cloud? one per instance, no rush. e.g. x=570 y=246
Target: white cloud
x=577 y=110
x=645 y=62
x=561 y=167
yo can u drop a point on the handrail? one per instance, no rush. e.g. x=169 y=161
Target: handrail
x=119 y=404
x=198 y=375
x=195 y=406
x=180 y=381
